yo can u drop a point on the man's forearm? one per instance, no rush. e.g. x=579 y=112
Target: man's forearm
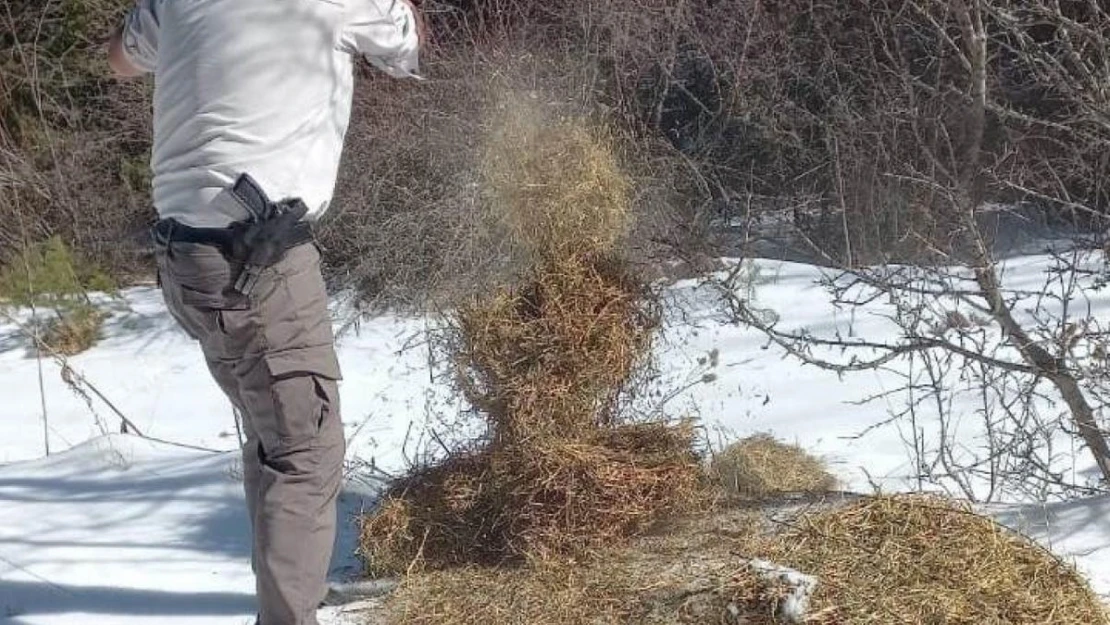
x=117 y=56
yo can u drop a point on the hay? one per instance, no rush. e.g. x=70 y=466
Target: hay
x=545 y=364
x=551 y=498
x=549 y=595
x=560 y=474
x=554 y=182
x=760 y=466
x=551 y=358
x=652 y=582
x=904 y=560
x=917 y=559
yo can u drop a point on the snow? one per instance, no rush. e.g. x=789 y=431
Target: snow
x=113 y=529
x=796 y=587
x=125 y=531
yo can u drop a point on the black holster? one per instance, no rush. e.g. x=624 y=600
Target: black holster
x=258 y=243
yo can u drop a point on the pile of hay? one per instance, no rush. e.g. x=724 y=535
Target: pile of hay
x=761 y=466
x=903 y=560
x=665 y=579
x=550 y=497
x=918 y=559
x=545 y=364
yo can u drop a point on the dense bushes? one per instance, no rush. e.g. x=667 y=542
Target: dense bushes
x=73 y=144
x=730 y=113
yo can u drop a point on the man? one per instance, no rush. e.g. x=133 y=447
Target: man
x=251 y=104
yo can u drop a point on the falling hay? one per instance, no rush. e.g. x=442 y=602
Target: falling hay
x=545 y=364
x=554 y=183
x=551 y=358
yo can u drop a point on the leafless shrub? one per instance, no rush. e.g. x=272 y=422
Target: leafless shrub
x=404 y=222
x=73 y=142
x=958 y=108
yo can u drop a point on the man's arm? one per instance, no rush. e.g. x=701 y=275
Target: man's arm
x=421 y=25
x=388 y=33
x=133 y=47
x=117 y=57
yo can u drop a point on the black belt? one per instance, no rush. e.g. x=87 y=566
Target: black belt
x=168 y=231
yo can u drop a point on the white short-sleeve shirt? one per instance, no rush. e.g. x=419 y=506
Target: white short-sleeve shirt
x=261 y=87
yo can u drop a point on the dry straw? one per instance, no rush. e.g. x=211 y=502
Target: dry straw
x=760 y=466
x=554 y=182
x=549 y=358
x=653 y=581
x=545 y=363
x=916 y=559
x=889 y=561
x=551 y=498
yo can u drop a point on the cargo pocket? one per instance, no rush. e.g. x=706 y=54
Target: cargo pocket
x=317 y=360
x=305 y=408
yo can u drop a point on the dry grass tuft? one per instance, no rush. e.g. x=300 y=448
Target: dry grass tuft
x=916 y=559
x=554 y=181
x=911 y=560
x=760 y=466
x=75 y=331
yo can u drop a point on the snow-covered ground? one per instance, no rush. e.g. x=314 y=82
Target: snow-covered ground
x=124 y=531
x=112 y=529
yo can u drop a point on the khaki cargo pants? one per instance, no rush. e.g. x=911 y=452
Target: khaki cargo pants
x=273 y=355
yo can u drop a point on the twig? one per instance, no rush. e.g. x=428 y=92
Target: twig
x=38 y=352
x=238 y=427
x=14 y=565
x=42 y=399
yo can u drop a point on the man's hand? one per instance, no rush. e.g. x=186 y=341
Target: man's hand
x=117 y=57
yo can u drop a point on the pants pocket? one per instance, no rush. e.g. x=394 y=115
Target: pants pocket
x=204 y=277
x=303 y=415
x=318 y=360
